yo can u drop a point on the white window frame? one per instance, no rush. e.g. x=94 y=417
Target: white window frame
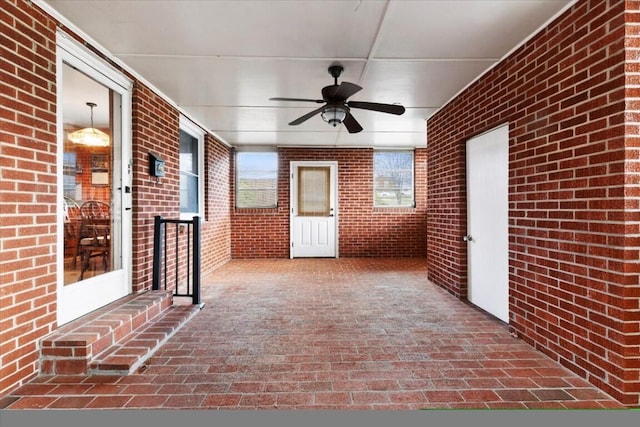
x=413 y=177
x=237 y=170
x=195 y=131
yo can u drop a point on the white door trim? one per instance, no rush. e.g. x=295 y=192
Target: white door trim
x=293 y=191
x=72 y=300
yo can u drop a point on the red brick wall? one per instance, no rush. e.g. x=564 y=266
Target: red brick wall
x=28 y=188
x=573 y=211
x=364 y=231
x=28 y=185
x=156 y=130
x=216 y=231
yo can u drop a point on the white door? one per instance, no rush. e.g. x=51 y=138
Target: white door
x=487 y=221
x=94 y=183
x=313 y=209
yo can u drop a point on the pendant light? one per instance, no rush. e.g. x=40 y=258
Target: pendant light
x=90 y=136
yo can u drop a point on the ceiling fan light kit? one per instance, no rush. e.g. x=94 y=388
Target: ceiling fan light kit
x=334 y=115
x=337 y=110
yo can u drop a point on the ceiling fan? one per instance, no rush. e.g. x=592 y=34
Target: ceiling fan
x=337 y=109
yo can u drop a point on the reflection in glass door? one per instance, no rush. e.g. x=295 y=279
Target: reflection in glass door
x=88 y=176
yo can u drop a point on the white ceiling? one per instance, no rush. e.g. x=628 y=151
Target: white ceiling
x=221 y=61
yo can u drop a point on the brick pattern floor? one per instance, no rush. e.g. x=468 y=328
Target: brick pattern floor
x=329 y=334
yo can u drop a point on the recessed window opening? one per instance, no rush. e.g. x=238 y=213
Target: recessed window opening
x=256 y=179
x=393 y=184
x=191 y=170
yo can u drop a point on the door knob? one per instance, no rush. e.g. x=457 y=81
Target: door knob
x=467 y=238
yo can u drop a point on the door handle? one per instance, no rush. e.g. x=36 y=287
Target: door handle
x=467 y=238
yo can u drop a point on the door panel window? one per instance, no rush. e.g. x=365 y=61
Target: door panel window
x=313 y=191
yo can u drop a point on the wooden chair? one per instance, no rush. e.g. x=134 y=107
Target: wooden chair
x=95 y=241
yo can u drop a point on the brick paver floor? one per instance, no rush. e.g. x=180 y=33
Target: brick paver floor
x=329 y=334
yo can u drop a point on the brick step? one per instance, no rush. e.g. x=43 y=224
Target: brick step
x=84 y=346
x=126 y=356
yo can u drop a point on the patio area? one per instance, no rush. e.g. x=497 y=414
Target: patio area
x=354 y=334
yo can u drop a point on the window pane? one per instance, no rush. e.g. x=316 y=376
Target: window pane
x=256 y=180
x=188 y=153
x=70 y=169
x=189 y=174
x=188 y=193
x=393 y=178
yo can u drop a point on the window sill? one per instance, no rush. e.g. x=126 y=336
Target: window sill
x=189 y=216
x=394 y=209
x=272 y=210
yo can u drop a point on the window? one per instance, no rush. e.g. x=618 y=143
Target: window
x=191 y=170
x=393 y=178
x=256 y=179
x=69 y=171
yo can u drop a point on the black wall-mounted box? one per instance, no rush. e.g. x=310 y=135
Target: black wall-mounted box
x=156 y=165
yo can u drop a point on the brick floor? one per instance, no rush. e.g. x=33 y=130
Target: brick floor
x=329 y=334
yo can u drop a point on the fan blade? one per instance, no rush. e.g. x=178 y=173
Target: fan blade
x=317 y=101
x=351 y=124
x=328 y=92
x=374 y=106
x=345 y=90
x=306 y=116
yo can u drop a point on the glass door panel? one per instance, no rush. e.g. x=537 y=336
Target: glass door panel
x=88 y=177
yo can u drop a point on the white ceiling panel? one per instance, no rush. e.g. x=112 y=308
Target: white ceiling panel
x=264 y=119
x=413 y=120
x=282 y=138
x=421 y=84
x=261 y=119
x=383 y=139
x=221 y=61
x=232 y=82
x=230 y=28
x=472 y=29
